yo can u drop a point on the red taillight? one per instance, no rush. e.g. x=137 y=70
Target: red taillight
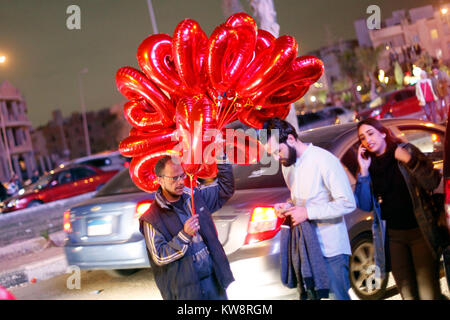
x=264 y=224
x=142 y=207
x=435 y=138
x=126 y=164
x=67 y=226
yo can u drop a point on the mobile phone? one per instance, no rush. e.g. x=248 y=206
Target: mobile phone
x=365 y=155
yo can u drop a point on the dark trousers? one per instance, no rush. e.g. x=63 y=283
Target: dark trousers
x=211 y=289
x=430 y=111
x=415 y=271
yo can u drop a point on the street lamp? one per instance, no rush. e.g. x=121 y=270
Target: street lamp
x=2 y=59
x=83 y=112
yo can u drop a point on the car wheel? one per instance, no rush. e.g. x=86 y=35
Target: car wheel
x=118 y=273
x=362 y=270
x=34 y=203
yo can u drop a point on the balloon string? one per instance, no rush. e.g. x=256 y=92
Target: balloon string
x=192 y=194
x=222 y=118
x=192 y=198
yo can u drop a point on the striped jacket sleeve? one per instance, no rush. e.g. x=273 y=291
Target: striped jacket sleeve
x=164 y=252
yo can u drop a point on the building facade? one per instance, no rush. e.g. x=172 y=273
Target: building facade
x=16 y=149
x=408 y=33
x=62 y=139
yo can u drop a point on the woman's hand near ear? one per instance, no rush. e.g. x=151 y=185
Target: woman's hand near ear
x=401 y=154
x=364 y=164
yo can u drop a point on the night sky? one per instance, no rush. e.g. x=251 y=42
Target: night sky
x=44 y=57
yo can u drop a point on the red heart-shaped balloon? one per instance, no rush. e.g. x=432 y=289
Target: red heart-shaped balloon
x=142 y=169
x=142 y=116
x=138 y=145
x=230 y=49
x=268 y=66
x=134 y=85
x=189 y=52
x=195 y=115
x=293 y=84
x=256 y=118
x=155 y=58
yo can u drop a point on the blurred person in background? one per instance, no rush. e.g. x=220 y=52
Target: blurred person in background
x=35 y=176
x=426 y=96
x=440 y=82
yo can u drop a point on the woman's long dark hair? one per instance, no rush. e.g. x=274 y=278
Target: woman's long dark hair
x=390 y=137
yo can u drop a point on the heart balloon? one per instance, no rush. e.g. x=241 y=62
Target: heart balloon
x=138 y=145
x=268 y=66
x=293 y=84
x=194 y=116
x=142 y=116
x=142 y=169
x=155 y=58
x=189 y=52
x=242 y=148
x=134 y=85
x=256 y=118
x=230 y=49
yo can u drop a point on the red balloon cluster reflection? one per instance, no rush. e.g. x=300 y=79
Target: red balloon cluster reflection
x=191 y=85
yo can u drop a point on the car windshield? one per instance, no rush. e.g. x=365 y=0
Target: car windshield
x=119 y=184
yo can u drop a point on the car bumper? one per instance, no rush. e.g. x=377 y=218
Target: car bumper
x=256 y=268
x=125 y=255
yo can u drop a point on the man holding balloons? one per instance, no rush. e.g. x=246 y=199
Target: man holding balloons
x=187 y=259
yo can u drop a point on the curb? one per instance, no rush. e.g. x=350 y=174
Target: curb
x=41 y=270
x=29 y=246
x=30 y=272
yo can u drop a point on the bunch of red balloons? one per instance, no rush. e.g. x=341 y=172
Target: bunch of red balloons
x=190 y=84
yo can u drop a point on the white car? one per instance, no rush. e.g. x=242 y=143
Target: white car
x=342 y=115
x=106 y=161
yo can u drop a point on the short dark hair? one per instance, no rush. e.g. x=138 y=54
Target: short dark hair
x=161 y=164
x=284 y=129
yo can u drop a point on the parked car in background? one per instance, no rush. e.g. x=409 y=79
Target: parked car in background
x=102 y=232
x=341 y=114
x=399 y=103
x=106 y=161
x=325 y=117
x=61 y=183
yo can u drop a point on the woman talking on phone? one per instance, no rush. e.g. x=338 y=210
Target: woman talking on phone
x=396 y=181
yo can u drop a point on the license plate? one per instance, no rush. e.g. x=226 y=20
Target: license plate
x=99 y=227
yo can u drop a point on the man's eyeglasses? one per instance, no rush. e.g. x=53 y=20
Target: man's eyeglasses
x=176 y=178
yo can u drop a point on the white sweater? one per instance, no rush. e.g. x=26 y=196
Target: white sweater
x=319 y=182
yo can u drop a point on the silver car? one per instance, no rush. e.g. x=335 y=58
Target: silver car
x=104 y=230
